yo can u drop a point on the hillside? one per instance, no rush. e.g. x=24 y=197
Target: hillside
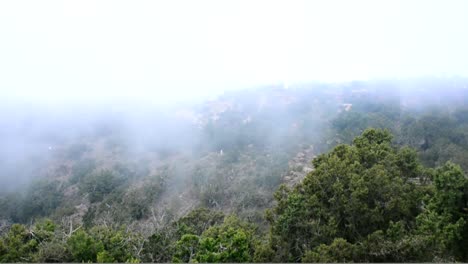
x=141 y=172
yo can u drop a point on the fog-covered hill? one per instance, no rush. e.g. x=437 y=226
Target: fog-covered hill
x=147 y=167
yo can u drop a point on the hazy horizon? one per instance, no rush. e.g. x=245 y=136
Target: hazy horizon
x=168 y=51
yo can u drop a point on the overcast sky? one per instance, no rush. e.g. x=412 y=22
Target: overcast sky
x=162 y=50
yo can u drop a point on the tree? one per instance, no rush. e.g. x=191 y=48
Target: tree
x=354 y=191
x=42 y=198
x=99 y=185
x=117 y=244
x=186 y=248
x=228 y=243
x=444 y=222
x=83 y=247
x=18 y=245
x=198 y=220
x=159 y=247
x=338 y=251
x=175 y=241
x=231 y=241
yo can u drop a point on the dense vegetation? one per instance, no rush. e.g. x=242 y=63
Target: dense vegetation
x=369 y=201
x=325 y=175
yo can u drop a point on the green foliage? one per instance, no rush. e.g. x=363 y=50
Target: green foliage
x=117 y=244
x=186 y=248
x=42 y=198
x=263 y=252
x=21 y=244
x=445 y=221
x=83 y=247
x=396 y=244
x=243 y=185
x=169 y=243
x=53 y=251
x=230 y=242
x=364 y=114
x=44 y=230
x=137 y=201
x=364 y=202
x=198 y=220
x=102 y=244
x=353 y=191
x=450 y=184
x=82 y=169
x=42 y=243
x=438 y=136
x=11 y=206
x=338 y=251
x=18 y=245
x=159 y=247
x=105 y=257
x=125 y=202
x=360 y=204
x=370 y=201
x=98 y=185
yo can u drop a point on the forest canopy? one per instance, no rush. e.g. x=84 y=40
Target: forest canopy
x=369 y=201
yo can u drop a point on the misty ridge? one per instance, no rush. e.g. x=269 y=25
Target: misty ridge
x=206 y=131
x=36 y=135
x=156 y=177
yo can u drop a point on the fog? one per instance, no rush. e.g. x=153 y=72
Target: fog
x=233 y=130
x=69 y=70
x=168 y=51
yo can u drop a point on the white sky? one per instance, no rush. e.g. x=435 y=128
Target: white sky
x=79 y=49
